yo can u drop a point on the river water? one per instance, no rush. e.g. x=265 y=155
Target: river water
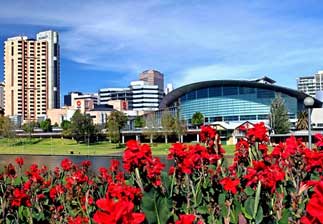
x=52 y=161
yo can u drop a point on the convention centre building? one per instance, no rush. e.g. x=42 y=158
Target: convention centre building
x=233 y=100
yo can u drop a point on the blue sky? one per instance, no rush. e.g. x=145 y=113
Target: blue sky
x=108 y=43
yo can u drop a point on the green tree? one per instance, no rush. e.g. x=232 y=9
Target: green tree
x=82 y=128
x=65 y=124
x=302 y=121
x=29 y=127
x=278 y=117
x=167 y=123
x=197 y=119
x=139 y=122
x=46 y=125
x=7 y=128
x=179 y=127
x=151 y=127
x=116 y=121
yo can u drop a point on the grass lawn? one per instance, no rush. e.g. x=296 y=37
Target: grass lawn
x=57 y=146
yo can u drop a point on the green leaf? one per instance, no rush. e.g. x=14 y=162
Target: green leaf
x=202 y=210
x=224 y=210
x=221 y=199
x=257 y=199
x=260 y=215
x=148 y=207
x=248 y=216
x=234 y=218
x=163 y=209
x=285 y=216
x=199 y=198
x=249 y=191
x=249 y=206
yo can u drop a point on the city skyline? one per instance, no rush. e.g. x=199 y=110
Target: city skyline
x=190 y=42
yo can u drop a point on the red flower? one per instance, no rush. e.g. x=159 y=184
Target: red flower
x=56 y=191
x=207 y=133
x=314 y=207
x=114 y=165
x=66 y=164
x=77 y=220
x=20 y=198
x=319 y=140
x=11 y=171
x=114 y=212
x=86 y=164
x=185 y=219
x=258 y=133
x=20 y=161
x=230 y=185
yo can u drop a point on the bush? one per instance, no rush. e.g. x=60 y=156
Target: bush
x=283 y=186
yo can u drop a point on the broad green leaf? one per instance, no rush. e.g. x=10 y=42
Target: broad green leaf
x=249 y=205
x=260 y=215
x=221 y=199
x=249 y=191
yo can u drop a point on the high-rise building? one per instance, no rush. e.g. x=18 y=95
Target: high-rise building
x=145 y=97
x=108 y=94
x=1 y=96
x=32 y=75
x=311 y=84
x=153 y=77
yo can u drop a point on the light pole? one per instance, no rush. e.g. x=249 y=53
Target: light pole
x=309 y=102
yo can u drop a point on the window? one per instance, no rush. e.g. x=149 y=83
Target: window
x=263 y=116
x=215 y=91
x=228 y=91
x=191 y=95
x=231 y=118
x=246 y=90
x=248 y=117
x=202 y=93
x=265 y=93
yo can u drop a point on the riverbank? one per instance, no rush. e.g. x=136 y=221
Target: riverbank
x=54 y=146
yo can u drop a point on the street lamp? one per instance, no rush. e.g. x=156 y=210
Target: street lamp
x=309 y=102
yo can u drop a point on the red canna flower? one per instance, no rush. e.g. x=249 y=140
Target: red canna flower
x=230 y=184
x=20 y=198
x=66 y=164
x=185 y=219
x=319 y=140
x=20 y=161
x=77 y=220
x=114 y=212
x=315 y=206
x=258 y=133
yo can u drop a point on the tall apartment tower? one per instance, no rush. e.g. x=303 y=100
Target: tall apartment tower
x=311 y=84
x=153 y=77
x=31 y=75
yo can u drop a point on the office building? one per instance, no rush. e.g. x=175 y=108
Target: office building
x=69 y=98
x=1 y=96
x=311 y=84
x=111 y=94
x=145 y=97
x=153 y=77
x=31 y=75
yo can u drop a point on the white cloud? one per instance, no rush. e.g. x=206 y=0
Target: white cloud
x=188 y=41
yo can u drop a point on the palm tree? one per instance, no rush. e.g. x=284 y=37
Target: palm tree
x=302 y=121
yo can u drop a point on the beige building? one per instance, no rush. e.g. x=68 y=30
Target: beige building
x=31 y=75
x=153 y=77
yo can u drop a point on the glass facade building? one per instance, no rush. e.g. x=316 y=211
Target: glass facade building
x=228 y=101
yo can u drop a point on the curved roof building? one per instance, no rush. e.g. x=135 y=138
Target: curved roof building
x=233 y=100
